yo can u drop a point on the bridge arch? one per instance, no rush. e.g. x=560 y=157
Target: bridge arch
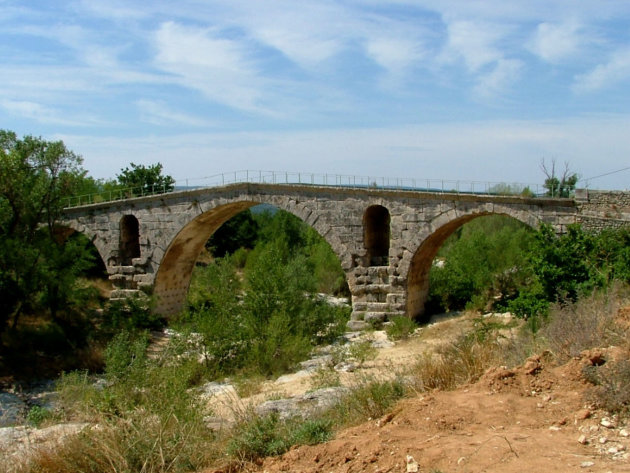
x=422 y=260
x=174 y=274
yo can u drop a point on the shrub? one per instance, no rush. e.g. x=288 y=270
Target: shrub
x=400 y=328
x=576 y=326
x=131 y=314
x=454 y=363
x=37 y=415
x=612 y=386
x=362 y=351
x=368 y=400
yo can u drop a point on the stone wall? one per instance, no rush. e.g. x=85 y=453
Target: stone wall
x=598 y=210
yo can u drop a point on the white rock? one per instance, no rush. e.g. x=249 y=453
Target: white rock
x=412 y=465
x=605 y=422
x=586 y=464
x=582 y=439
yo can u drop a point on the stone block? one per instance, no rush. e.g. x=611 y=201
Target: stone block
x=357 y=325
x=374 y=317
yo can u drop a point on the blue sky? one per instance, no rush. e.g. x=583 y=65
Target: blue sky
x=461 y=89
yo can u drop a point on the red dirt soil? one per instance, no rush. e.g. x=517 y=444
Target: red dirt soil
x=529 y=419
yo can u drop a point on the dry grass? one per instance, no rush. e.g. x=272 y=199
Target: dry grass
x=454 y=363
x=591 y=322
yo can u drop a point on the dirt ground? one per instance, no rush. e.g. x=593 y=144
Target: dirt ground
x=530 y=419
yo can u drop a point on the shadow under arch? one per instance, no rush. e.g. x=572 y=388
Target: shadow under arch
x=422 y=260
x=376 y=235
x=62 y=233
x=174 y=274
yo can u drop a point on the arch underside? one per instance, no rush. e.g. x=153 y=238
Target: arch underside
x=422 y=261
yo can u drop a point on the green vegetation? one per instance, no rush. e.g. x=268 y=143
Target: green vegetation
x=498 y=263
x=400 y=328
x=141 y=179
x=260 y=314
x=254 y=312
x=483 y=264
x=558 y=185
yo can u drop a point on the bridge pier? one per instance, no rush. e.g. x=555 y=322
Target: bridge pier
x=377 y=294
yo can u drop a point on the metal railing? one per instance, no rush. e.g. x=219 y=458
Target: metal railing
x=443 y=186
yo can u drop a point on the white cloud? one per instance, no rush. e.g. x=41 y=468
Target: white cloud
x=554 y=42
x=158 y=113
x=474 y=43
x=42 y=114
x=505 y=73
x=218 y=67
x=487 y=151
x=394 y=54
x=616 y=70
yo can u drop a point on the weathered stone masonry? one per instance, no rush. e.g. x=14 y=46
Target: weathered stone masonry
x=385 y=240
x=598 y=210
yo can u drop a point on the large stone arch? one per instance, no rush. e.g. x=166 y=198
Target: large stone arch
x=417 y=287
x=173 y=277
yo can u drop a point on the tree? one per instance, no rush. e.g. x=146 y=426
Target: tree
x=558 y=186
x=141 y=179
x=36 y=177
x=241 y=231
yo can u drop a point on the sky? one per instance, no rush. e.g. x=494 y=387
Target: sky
x=426 y=89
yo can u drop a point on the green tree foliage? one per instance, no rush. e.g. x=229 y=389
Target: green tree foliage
x=482 y=263
x=571 y=265
x=241 y=231
x=266 y=318
x=37 y=270
x=141 y=179
x=558 y=185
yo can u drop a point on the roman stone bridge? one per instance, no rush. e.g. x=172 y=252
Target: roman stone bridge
x=386 y=240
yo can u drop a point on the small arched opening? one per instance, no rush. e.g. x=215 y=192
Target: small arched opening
x=376 y=235
x=129 y=244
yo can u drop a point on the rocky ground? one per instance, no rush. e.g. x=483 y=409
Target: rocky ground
x=528 y=419
x=532 y=418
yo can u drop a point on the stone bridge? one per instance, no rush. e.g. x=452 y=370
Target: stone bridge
x=386 y=240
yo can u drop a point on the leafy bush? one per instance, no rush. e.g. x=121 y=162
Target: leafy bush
x=131 y=314
x=400 y=328
x=267 y=323
x=483 y=263
x=260 y=436
x=370 y=399
x=37 y=415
